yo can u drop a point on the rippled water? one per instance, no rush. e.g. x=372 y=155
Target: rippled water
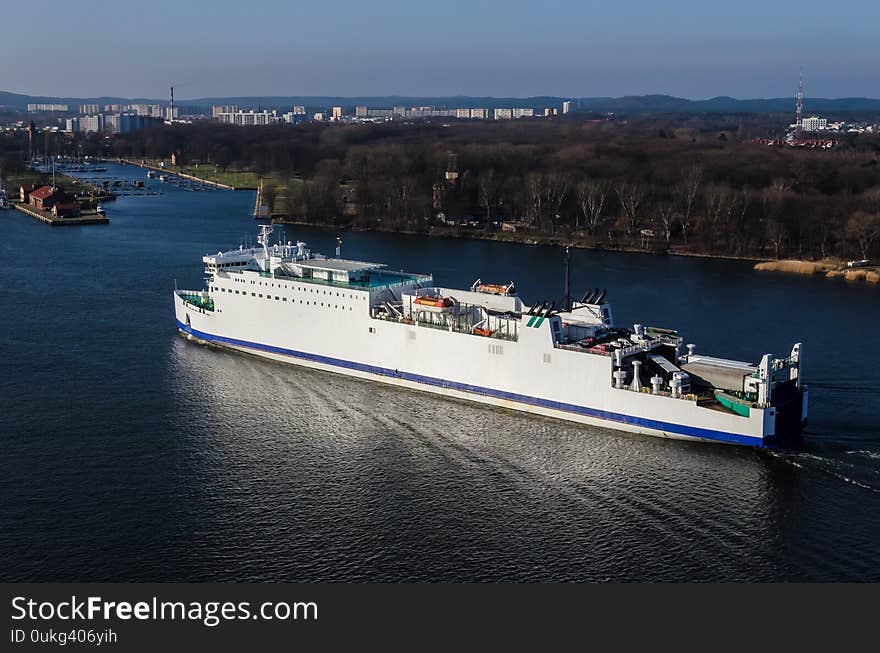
x=131 y=454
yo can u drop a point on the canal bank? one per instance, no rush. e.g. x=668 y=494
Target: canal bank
x=182 y=175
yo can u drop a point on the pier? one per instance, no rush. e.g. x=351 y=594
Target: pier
x=182 y=175
x=49 y=218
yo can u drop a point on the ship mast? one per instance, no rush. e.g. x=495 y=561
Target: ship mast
x=263 y=239
x=567 y=300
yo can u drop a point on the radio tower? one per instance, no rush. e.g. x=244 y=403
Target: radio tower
x=171 y=110
x=800 y=104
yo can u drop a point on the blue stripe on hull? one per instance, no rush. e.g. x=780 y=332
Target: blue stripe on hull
x=679 y=429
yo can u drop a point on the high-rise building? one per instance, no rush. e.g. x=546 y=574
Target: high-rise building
x=299 y=110
x=503 y=114
x=337 y=113
x=47 y=107
x=93 y=123
x=814 y=124
x=225 y=108
x=566 y=107
x=89 y=109
x=249 y=118
x=361 y=112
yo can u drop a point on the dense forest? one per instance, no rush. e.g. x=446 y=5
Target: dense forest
x=680 y=183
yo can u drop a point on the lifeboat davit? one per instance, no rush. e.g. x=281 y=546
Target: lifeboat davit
x=497 y=288
x=435 y=303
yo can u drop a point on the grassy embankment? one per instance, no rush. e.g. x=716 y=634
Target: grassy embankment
x=239 y=179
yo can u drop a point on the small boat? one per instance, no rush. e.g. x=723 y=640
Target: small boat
x=100 y=209
x=163 y=178
x=150 y=174
x=494 y=288
x=137 y=183
x=435 y=303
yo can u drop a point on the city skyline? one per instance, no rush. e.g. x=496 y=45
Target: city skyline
x=562 y=49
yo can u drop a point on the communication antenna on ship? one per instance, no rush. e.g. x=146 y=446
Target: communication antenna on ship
x=567 y=300
x=263 y=239
x=338 y=247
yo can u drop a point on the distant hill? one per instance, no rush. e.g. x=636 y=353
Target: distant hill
x=630 y=104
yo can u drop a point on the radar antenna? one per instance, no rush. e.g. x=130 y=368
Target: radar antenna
x=263 y=238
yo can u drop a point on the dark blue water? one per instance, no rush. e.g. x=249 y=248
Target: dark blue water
x=131 y=454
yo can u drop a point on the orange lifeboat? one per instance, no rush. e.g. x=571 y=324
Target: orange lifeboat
x=434 y=303
x=434 y=300
x=496 y=288
x=480 y=331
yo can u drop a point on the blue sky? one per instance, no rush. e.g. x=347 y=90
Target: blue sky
x=444 y=47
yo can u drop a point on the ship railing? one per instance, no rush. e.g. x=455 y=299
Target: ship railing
x=690 y=396
x=648 y=345
x=197 y=301
x=424 y=324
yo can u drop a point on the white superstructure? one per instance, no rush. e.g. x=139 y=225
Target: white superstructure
x=484 y=344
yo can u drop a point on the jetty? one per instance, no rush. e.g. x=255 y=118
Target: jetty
x=87 y=217
x=182 y=175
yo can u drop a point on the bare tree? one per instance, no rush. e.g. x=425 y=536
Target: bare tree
x=406 y=188
x=666 y=213
x=771 y=209
x=555 y=191
x=536 y=184
x=488 y=193
x=739 y=215
x=591 y=196
x=718 y=203
x=864 y=229
x=872 y=197
x=687 y=193
x=630 y=197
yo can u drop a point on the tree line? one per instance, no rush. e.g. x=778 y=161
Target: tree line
x=696 y=183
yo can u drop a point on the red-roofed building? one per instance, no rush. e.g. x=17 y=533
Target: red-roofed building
x=25 y=190
x=46 y=197
x=66 y=209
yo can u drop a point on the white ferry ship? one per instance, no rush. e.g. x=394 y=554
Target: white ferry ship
x=283 y=302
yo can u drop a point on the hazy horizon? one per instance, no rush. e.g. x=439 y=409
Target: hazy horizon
x=478 y=49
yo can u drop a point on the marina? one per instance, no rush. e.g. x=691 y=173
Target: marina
x=185 y=181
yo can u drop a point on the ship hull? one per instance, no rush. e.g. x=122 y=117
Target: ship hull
x=518 y=384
